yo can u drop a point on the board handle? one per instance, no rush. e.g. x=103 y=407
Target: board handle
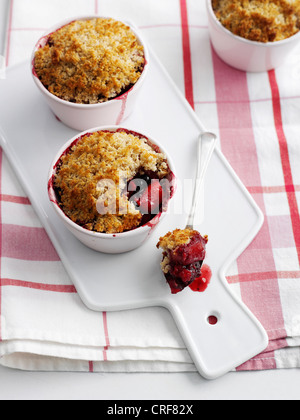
x=218 y=329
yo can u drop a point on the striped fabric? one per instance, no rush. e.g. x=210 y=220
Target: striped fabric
x=43 y=323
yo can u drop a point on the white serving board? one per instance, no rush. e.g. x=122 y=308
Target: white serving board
x=31 y=136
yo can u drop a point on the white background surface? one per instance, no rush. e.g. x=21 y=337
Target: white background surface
x=272 y=385
x=268 y=385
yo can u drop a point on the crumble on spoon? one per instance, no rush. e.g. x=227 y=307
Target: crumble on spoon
x=183 y=255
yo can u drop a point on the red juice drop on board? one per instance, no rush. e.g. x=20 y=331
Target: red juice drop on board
x=201 y=283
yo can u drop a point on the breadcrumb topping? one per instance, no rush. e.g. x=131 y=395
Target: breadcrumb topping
x=91 y=179
x=259 y=20
x=176 y=238
x=90 y=61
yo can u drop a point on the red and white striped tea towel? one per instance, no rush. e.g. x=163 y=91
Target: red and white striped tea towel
x=43 y=323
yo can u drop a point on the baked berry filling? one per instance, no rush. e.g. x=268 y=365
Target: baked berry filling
x=181 y=276
x=183 y=256
x=148 y=195
x=188 y=254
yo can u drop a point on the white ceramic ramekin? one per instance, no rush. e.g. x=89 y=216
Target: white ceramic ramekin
x=83 y=116
x=104 y=242
x=244 y=54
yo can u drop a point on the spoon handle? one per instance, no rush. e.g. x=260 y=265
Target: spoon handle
x=4 y=29
x=217 y=347
x=206 y=145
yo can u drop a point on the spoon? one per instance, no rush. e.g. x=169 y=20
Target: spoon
x=4 y=43
x=192 y=251
x=206 y=145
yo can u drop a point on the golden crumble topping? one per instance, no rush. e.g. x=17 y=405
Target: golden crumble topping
x=92 y=175
x=176 y=238
x=90 y=61
x=259 y=20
